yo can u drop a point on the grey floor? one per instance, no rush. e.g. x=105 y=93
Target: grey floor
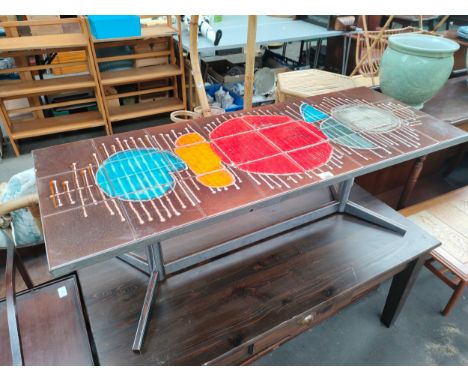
x=355 y=336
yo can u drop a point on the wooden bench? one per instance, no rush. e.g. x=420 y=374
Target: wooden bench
x=446 y=218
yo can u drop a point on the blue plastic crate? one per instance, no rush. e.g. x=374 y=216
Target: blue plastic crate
x=238 y=100
x=114 y=26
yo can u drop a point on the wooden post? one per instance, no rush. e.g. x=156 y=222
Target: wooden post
x=366 y=37
x=440 y=23
x=93 y=68
x=195 y=63
x=181 y=61
x=250 y=62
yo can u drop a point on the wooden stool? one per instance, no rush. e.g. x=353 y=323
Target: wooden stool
x=446 y=218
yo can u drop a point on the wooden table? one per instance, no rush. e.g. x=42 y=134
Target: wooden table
x=105 y=197
x=242 y=306
x=450 y=105
x=446 y=217
x=270 y=30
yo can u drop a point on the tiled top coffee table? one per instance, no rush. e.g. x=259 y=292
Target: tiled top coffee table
x=104 y=197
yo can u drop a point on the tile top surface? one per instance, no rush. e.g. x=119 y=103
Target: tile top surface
x=109 y=193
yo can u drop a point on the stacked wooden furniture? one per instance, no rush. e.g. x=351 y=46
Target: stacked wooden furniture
x=28 y=44
x=446 y=218
x=157 y=74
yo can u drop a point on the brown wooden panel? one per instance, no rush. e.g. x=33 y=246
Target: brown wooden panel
x=52 y=326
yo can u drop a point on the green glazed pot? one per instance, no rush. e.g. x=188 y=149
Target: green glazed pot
x=414 y=67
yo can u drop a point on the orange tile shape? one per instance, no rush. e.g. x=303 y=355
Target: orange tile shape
x=196 y=152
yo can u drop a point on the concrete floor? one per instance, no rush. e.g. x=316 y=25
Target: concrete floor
x=355 y=336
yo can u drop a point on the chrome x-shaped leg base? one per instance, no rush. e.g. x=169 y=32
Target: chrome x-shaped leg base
x=360 y=212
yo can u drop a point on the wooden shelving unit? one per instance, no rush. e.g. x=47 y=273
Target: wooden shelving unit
x=29 y=51
x=156 y=82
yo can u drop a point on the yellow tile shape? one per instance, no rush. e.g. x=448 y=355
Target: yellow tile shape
x=196 y=152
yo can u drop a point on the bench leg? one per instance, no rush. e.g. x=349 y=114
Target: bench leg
x=455 y=296
x=402 y=284
x=457 y=159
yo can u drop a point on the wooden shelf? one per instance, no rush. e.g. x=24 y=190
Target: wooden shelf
x=154 y=31
x=22 y=88
x=163 y=105
x=66 y=40
x=139 y=74
x=38 y=127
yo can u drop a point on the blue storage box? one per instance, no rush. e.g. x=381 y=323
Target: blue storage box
x=114 y=26
x=238 y=100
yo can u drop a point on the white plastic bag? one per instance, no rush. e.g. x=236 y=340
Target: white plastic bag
x=24 y=227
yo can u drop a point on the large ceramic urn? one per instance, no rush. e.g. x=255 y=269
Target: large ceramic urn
x=414 y=67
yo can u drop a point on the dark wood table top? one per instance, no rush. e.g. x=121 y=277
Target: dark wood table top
x=451 y=103
x=52 y=326
x=105 y=196
x=271 y=291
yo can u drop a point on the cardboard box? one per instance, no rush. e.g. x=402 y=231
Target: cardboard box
x=218 y=70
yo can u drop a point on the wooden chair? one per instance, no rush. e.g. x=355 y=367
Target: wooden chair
x=378 y=41
x=45 y=324
x=446 y=218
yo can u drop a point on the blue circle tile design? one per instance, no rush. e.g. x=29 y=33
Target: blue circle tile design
x=139 y=175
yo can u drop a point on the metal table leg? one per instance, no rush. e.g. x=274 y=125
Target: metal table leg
x=136 y=262
x=346 y=51
x=317 y=52
x=343 y=62
x=360 y=212
x=157 y=272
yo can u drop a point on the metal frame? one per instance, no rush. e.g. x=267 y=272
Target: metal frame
x=157 y=270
